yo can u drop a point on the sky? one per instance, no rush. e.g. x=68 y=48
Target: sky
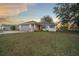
x=19 y=12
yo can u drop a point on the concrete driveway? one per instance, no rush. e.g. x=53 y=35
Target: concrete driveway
x=9 y=32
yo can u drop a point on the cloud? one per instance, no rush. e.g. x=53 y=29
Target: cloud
x=12 y=9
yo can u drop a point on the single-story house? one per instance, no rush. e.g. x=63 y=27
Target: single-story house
x=29 y=26
x=36 y=26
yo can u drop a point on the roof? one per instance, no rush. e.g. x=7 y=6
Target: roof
x=30 y=22
x=42 y=23
x=7 y=24
x=38 y=23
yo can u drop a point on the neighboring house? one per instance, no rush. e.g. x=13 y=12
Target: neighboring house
x=6 y=27
x=0 y=27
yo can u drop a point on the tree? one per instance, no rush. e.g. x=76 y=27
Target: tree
x=62 y=11
x=47 y=19
x=75 y=13
x=67 y=12
x=13 y=27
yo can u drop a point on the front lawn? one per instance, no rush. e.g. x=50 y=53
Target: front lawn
x=40 y=43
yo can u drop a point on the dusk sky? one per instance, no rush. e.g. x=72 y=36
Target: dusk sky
x=17 y=13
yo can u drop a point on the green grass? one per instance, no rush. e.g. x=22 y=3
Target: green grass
x=40 y=43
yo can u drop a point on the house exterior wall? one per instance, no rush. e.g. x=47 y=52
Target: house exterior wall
x=24 y=27
x=0 y=27
x=27 y=27
x=49 y=28
x=6 y=27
